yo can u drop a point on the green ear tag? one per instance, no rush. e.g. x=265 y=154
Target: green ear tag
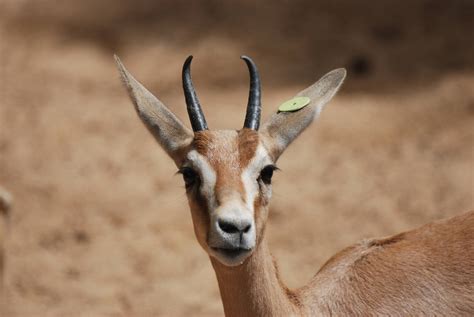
x=294 y=104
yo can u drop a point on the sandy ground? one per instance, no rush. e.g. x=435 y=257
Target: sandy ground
x=101 y=225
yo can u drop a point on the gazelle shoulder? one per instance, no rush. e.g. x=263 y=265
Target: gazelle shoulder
x=415 y=269
x=452 y=235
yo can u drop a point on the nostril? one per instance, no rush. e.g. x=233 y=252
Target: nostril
x=228 y=227
x=247 y=228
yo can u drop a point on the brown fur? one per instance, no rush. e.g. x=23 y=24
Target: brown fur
x=254 y=288
x=243 y=146
x=426 y=271
x=228 y=153
x=248 y=141
x=200 y=216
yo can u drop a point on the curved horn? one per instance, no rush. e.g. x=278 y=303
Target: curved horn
x=254 y=106
x=198 y=122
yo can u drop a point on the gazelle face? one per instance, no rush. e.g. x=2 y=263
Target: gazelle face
x=228 y=174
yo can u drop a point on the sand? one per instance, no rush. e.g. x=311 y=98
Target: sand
x=100 y=225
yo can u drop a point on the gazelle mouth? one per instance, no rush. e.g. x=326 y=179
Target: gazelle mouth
x=232 y=252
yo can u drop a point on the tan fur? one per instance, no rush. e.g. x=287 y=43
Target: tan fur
x=254 y=288
x=200 y=217
x=428 y=271
x=283 y=127
x=248 y=141
x=228 y=152
x=168 y=130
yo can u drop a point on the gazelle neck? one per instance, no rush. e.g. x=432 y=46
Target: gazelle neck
x=254 y=288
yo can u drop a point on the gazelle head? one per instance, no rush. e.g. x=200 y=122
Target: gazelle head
x=228 y=173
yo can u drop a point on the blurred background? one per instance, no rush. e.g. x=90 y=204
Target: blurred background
x=100 y=224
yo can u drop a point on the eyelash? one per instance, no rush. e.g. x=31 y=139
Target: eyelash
x=190 y=176
x=266 y=174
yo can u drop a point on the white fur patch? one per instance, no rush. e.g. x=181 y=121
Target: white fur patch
x=208 y=176
x=251 y=173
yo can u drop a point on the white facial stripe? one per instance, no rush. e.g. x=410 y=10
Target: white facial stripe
x=208 y=176
x=251 y=172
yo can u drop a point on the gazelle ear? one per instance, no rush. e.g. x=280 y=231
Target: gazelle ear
x=167 y=129
x=283 y=127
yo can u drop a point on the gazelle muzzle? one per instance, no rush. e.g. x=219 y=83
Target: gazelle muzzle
x=232 y=235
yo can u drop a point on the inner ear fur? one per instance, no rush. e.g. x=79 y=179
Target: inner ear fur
x=283 y=127
x=173 y=136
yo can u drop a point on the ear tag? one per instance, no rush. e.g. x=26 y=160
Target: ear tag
x=294 y=104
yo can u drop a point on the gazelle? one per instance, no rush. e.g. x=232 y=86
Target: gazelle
x=228 y=175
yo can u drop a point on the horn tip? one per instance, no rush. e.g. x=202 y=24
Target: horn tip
x=248 y=61
x=187 y=63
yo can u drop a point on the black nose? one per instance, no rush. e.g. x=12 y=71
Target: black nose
x=234 y=227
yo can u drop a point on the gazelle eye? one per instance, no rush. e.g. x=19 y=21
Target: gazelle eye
x=266 y=174
x=190 y=176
